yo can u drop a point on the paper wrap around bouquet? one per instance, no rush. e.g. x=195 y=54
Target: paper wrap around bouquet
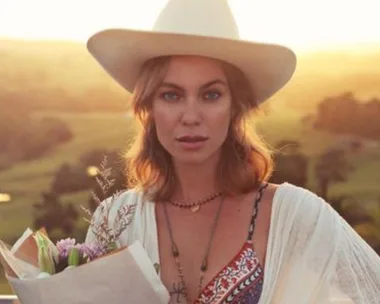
x=125 y=276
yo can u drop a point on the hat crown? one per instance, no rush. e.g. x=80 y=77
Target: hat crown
x=198 y=17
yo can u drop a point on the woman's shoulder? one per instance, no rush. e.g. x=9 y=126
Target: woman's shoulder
x=298 y=203
x=287 y=188
x=302 y=208
x=287 y=193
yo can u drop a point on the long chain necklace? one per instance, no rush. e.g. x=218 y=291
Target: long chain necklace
x=195 y=206
x=175 y=251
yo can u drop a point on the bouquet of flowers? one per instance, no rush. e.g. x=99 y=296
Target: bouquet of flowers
x=42 y=272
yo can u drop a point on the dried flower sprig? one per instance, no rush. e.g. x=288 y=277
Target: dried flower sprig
x=105 y=234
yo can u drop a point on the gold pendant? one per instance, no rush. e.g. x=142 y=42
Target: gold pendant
x=195 y=208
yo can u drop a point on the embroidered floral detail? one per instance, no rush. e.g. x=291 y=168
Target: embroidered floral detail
x=240 y=281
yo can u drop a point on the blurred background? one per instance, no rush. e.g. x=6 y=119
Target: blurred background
x=60 y=114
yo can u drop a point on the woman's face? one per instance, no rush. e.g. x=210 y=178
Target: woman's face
x=192 y=109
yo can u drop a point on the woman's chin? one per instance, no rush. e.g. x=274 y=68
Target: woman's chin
x=198 y=158
x=191 y=159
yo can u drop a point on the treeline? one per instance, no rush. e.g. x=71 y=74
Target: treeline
x=24 y=137
x=93 y=171
x=344 y=114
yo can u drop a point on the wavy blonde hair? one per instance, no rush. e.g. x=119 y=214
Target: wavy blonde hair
x=245 y=162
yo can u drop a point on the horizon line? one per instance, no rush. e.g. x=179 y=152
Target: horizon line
x=301 y=49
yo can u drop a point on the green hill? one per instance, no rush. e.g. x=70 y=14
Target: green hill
x=57 y=76
x=64 y=76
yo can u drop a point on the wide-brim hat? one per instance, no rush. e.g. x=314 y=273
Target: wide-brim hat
x=193 y=27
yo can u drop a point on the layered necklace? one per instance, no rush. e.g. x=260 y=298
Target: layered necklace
x=195 y=206
x=176 y=253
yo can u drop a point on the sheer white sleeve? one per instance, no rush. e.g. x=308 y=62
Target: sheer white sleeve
x=357 y=270
x=314 y=256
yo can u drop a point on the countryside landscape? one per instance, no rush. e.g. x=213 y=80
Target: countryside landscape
x=60 y=114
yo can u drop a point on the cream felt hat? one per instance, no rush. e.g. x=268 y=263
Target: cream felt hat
x=193 y=27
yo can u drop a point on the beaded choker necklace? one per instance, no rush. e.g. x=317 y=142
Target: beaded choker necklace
x=195 y=206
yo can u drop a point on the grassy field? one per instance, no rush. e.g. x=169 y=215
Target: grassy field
x=285 y=123
x=26 y=181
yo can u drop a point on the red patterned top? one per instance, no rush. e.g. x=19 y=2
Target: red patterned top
x=241 y=281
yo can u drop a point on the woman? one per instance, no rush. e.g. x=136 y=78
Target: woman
x=204 y=210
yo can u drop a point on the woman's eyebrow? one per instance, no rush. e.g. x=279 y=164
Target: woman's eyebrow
x=210 y=83
x=172 y=86
x=202 y=87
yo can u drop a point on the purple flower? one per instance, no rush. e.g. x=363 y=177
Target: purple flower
x=91 y=251
x=64 y=247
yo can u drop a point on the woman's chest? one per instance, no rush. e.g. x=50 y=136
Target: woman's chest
x=198 y=245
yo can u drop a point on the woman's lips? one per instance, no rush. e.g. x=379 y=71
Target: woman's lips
x=190 y=142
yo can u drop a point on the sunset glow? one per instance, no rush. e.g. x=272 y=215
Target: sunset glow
x=296 y=23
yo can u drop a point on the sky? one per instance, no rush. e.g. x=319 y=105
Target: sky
x=302 y=24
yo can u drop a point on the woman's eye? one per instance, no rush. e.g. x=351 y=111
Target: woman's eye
x=170 y=96
x=213 y=95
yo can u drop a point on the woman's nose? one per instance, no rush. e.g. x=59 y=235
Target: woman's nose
x=191 y=112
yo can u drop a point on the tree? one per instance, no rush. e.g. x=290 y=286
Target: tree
x=344 y=114
x=53 y=215
x=349 y=209
x=335 y=113
x=370 y=229
x=56 y=130
x=290 y=165
x=70 y=178
x=331 y=167
x=368 y=124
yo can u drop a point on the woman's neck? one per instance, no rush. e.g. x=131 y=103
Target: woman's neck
x=196 y=181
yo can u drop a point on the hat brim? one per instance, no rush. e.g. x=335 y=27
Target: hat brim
x=122 y=52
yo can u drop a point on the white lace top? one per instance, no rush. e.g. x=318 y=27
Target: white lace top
x=313 y=255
